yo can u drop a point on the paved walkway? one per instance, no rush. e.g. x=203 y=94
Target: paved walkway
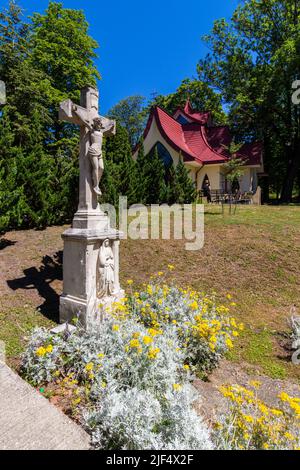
x=29 y=422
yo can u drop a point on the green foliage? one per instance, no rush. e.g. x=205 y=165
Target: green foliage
x=185 y=188
x=160 y=185
x=202 y=98
x=125 y=179
x=254 y=61
x=135 y=369
x=42 y=63
x=154 y=178
x=130 y=113
x=234 y=167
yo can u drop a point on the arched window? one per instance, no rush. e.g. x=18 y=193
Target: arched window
x=164 y=155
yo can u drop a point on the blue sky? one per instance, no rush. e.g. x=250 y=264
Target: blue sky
x=145 y=47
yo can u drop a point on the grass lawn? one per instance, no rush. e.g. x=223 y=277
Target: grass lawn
x=254 y=255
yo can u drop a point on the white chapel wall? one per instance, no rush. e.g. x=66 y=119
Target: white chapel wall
x=213 y=173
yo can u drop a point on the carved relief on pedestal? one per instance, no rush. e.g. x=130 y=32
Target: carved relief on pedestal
x=106 y=271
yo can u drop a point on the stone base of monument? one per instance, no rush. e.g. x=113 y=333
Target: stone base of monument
x=82 y=274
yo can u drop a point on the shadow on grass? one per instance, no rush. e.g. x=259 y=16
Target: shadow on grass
x=40 y=279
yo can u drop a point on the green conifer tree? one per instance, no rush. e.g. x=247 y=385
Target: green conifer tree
x=186 y=191
x=154 y=171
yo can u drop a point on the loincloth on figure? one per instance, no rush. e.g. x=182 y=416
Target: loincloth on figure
x=95 y=150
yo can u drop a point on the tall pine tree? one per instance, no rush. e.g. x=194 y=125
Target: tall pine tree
x=186 y=191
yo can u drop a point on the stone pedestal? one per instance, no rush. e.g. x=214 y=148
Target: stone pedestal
x=80 y=273
x=84 y=242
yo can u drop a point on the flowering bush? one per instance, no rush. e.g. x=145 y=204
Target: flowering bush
x=136 y=419
x=204 y=330
x=250 y=424
x=135 y=380
x=43 y=357
x=135 y=369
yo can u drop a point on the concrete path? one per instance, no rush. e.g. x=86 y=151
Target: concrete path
x=29 y=422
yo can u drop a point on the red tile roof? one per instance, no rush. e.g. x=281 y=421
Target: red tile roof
x=198 y=142
x=201 y=118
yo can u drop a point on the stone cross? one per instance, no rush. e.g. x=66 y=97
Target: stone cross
x=91 y=246
x=92 y=128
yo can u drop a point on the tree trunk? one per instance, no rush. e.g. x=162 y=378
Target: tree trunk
x=292 y=171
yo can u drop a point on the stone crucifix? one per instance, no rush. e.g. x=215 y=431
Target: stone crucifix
x=92 y=129
x=91 y=246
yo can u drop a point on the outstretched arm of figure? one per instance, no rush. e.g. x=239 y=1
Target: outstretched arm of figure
x=110 y=128
x=81 y=114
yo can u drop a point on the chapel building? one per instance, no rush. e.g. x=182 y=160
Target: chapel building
x=203 y=147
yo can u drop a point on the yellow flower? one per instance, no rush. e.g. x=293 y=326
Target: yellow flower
x=76 y=401
x=213 y=339
x=248 y=419
x=186 y=367
x=160 y=273
x=276 y=412
x=229 y=343
x=177 y=387
x=104 y=384
x=263 y=408
x=229 y=296
x=153 y=352
x=49 y=348
x=100 y=355
x=284 y=396
x=147 y=340
x=89 y=366
x=134 y=343
x=255 y=383
x=233 y=304
x=149 y=290
x=115 y=327
x=171 y=267
x=194 y=305
x=41 y=352
x=294 y=405
x=136 y=335
x=153 y=332
x=289 y=436
x=130 y=282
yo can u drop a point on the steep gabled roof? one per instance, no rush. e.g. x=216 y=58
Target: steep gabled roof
x=197 y=141
x=189 y=139
x=202 y=118
x=220 y=138
x=191 y=115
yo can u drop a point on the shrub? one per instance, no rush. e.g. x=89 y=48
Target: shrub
x=136 y=419
x=250 y=424
x=204 y=330
x=135 y=380
x=43 y=357
x=135 y=368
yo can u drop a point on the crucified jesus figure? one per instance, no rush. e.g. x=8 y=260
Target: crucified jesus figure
x=96 y=131
x=92 y=129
